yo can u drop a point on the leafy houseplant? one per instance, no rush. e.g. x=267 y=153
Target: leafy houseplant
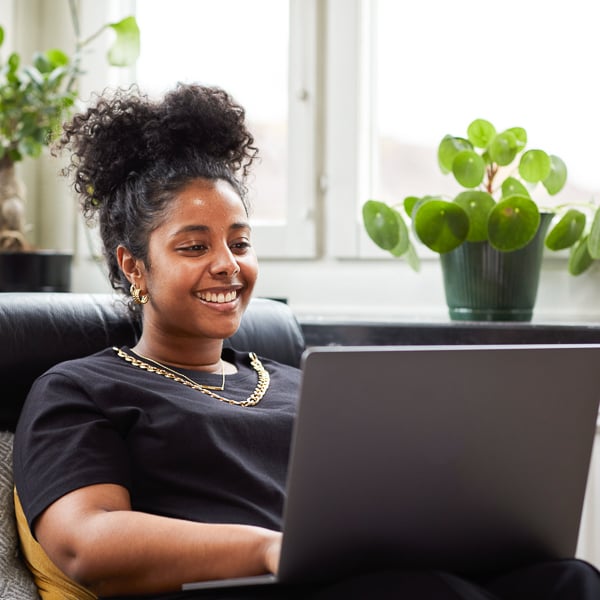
x=497 y=174
x=491 y=235
x=34 y=101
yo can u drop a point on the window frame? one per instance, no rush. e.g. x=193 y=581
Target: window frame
x=349 y=125
x=296 y=237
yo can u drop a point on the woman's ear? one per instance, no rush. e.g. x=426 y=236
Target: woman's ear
x=132 y=267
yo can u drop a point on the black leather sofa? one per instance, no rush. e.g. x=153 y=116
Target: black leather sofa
x=42 y=329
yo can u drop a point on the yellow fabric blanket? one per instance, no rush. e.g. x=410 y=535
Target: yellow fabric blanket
x=51 y=582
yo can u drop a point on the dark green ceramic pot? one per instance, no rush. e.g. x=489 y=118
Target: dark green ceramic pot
x=483 y=284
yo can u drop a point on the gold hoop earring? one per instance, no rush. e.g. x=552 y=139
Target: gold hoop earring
x=137 y=295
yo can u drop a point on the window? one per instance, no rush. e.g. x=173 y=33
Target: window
x=349 y=98
x=427 y=69
x=518 y=64
x=262 y=52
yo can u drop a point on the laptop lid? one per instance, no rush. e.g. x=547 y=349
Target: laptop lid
x=472 y=459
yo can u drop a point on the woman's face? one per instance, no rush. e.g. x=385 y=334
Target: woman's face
x=202 y=267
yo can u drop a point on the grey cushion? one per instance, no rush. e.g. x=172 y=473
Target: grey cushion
x=16 y=583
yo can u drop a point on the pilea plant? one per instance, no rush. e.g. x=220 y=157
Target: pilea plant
x=497 y=174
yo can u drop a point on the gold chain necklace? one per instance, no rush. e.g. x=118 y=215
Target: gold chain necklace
x=206 y=387
x=252 y=400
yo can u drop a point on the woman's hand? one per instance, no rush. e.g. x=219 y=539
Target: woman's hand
x=272 y=552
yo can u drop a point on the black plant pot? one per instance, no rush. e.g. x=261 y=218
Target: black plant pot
x=37 y=271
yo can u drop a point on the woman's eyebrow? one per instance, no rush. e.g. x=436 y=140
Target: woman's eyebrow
x=206 y=228
x=241 y=225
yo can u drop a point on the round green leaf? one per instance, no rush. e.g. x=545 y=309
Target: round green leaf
x=56 y=58
x=557 y=177
x=567 y=231
x=1 y=35
x=580 y=258
x=412 y=258
x=513 y=223
x=503 y=148
x=13 y=62
x=126 y=48
x=381 y=224
x=520 y=135
x=441 y=225
x=404 y=237
x=468 y=168
x=480 y=132
x=513 y=187
x=477 y=205
x=449 y=147
x=594 y=239
x=534 y=166
x=409 y=203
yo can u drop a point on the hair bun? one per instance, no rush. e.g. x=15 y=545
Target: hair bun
x=205 y=121
x=126 y=134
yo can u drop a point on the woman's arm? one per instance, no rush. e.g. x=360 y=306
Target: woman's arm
x=95 y=538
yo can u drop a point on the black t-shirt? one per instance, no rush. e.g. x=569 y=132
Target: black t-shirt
x=179 y=452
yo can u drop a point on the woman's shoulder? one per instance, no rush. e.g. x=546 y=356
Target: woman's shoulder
x=99 y=370
x=101 y=361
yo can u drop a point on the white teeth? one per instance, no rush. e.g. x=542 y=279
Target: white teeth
x=219 y=298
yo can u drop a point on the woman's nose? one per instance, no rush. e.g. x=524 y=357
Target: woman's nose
x=225 y=263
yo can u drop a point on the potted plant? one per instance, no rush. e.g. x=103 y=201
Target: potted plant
x=35 y=99
x=491 y=235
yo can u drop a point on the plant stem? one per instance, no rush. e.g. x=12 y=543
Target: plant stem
x=75 y=19
x=491 y=172
x=77 y=55
x=79 y=43
x=92 y=37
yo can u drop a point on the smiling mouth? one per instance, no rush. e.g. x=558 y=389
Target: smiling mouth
x=218 y=298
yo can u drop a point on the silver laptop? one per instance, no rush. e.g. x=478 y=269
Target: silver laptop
x=472 y=459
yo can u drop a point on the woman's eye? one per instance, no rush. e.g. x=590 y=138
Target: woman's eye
x=193 y=248
x=240 y=246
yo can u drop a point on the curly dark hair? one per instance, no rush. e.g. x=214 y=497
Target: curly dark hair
x=130 y=155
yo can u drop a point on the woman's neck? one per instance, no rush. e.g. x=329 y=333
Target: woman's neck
x=200 y=355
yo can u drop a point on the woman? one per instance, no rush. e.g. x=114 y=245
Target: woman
x=139 y=469
x=163 y=180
